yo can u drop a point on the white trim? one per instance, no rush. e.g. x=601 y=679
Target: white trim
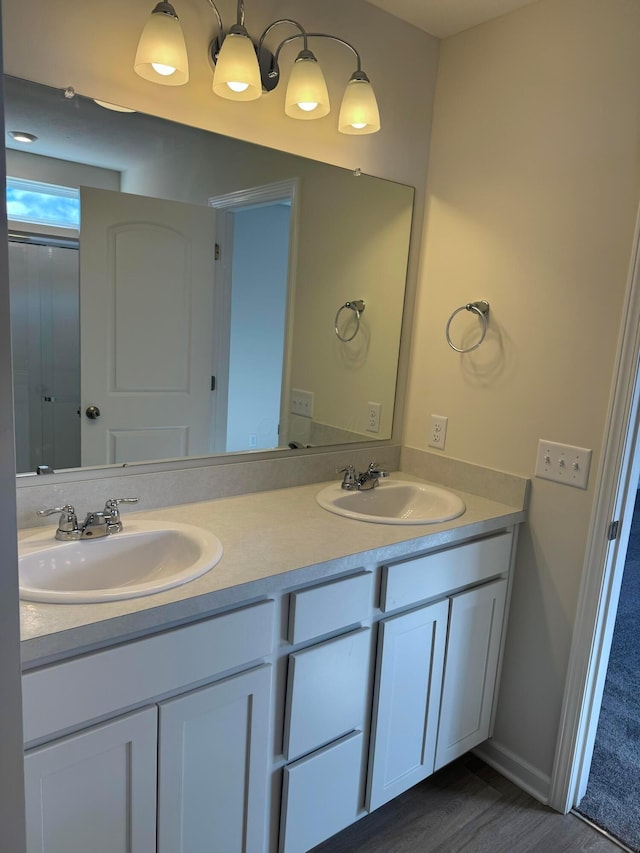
x=222 y=331
x=600 y=587
x=516 y=769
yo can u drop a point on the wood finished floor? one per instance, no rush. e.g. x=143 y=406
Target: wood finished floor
x=468 y=808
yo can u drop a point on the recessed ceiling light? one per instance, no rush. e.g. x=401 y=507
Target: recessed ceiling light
x=116 y=107
x=22 y=136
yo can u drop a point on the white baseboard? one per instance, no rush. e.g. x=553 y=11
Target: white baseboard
x=516 y=769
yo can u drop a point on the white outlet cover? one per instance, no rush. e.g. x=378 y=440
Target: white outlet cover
x=563 y=463
x=438 y=431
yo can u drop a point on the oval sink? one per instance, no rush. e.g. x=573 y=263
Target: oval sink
x=146 y=557
x=393 y=502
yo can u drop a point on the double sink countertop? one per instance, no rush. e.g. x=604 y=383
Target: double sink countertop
x=272 y=540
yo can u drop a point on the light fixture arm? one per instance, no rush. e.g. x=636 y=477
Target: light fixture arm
x=218 y=17
x=265 y=33
x=306 y=36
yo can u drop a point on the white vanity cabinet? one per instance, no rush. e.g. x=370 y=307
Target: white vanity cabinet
x=188 y=772
x=437 y=665
x=216 y=736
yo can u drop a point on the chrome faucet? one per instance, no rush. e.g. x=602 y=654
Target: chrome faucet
x=96 y=524
x=364 y=481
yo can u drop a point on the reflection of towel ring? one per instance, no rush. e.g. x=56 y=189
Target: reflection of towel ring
x=355 y=305
x=480 y=308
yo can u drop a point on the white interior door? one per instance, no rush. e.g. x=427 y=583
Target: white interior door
x=146 y=312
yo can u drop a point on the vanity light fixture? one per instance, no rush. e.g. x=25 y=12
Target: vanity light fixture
x=244 y=69
x=22 y=136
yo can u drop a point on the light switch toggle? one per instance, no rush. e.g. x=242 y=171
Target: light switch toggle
x=563 y=463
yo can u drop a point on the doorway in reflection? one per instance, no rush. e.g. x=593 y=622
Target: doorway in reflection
x=258 y=308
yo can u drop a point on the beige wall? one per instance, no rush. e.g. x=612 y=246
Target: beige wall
x=532 y=198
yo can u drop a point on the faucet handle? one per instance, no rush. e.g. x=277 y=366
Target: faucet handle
x=350 y=476
x=68 y=519
x=113 y=503
x=111 y=506
x=113 y=513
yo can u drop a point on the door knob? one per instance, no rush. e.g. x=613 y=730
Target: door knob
x=92 y=412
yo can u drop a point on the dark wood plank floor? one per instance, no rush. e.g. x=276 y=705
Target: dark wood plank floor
x=468 y=807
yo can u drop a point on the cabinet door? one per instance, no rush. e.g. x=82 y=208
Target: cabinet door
x=411 y=650
x=213 y=754
x=96 y=790
x=473 y=648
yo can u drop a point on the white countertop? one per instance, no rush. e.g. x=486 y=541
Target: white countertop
x=265 y=536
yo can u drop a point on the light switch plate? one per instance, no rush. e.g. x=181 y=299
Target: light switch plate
x=563 y=463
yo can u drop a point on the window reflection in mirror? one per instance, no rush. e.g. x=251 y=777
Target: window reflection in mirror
x=189 y=354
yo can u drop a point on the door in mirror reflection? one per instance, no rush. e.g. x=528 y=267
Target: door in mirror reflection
x=148 y=326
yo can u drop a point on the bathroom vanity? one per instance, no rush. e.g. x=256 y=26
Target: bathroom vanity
x=323 y=667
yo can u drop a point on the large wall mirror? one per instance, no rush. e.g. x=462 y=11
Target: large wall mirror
x=214 y=296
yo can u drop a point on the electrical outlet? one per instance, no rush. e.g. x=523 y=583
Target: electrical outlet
x=563 y=463
x=253 y=440
x=302 y=403
x=438 y=431
x=373 y=417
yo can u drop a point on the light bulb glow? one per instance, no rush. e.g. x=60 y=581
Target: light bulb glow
x=237 y=73
x=307 y=96
x=162 y=53
x=165 y=70
x=359 y=110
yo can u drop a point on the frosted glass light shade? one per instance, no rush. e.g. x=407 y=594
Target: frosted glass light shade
x=359 y=111
x=307 y=96
x=162 y=48
x=237 y=73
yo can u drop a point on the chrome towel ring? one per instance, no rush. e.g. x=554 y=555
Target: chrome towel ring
x=355 y=305
x=481 y=308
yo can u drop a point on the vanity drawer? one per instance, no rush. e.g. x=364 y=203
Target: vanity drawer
x=320 y=794
x=326 y=692
x=66 y=695
x=438 y=574
x=329 y=607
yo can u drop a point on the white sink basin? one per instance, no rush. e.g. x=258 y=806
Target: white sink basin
x=146 y=557
x=393 y=502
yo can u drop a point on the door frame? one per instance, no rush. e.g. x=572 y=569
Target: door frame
x=227 y=204
x=615 y=494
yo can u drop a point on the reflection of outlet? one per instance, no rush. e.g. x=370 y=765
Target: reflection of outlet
x=373 y=417
x=302 y=403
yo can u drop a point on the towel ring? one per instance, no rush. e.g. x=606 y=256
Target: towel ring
x=355 y=305
x=481 y=308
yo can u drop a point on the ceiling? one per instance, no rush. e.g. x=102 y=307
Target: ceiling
x=444 y=18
